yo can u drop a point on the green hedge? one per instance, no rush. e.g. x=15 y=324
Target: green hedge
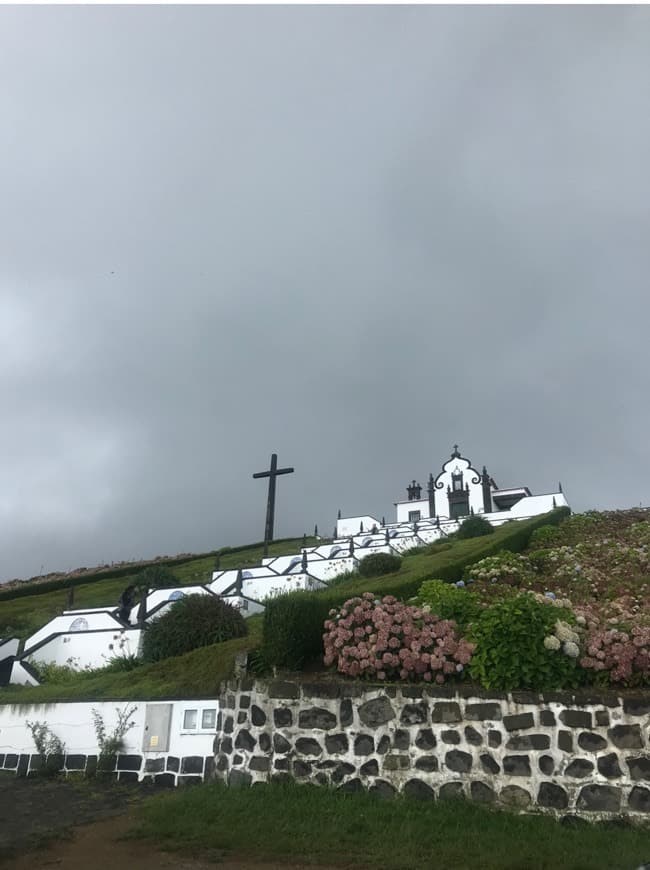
x=293 y=623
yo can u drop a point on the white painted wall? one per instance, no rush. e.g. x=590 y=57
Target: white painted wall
x=73 y=724
x=96 y=619
x=9 y=648
x=405 y=507
x=81 y=649
x=348 y=526
x=20 y=676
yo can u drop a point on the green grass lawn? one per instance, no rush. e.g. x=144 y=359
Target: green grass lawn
x=316 y=825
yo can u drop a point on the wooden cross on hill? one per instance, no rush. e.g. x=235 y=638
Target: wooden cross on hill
x=272 y=473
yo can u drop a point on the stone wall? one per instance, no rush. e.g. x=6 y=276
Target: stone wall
x=559 y=752
x=163 y=770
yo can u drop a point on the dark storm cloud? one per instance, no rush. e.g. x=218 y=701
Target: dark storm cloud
x=350 y=235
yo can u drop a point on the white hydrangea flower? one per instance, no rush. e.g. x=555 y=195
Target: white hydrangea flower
x=571 y=649
x=551 y=642
x=581 y=620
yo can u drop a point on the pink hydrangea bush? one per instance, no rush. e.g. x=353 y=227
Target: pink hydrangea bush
x=387 y=639
x=621 y=657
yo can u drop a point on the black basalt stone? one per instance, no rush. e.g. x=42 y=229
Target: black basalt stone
x=308 y=746
x=245 y=740
x=264 y=741
x=258 y=716
x=401 y=739
x=242 y=717
x=364 y=745
x=345 y=713
x=282 y=717
x=427 y=763
x=639 y=767
x=450 y=737
x=239 y=779
x=166 y=779
x=547 y=717
x=192 y=764
x=221 y=762
x=514 y=796
x=494 y=739
x=516 y=765
x=608 y=766
x=553 y=796
x=23 y=765
x=599 y=798
x=341 y=770
x=281 y=764
x=546 y=764
x=129 y=762
x=575 y=718
x=415 y=714
x=565 y=741
x=481 y=791
x=128 y=776
x=225 y=746
x=383 y=789
x=626 y=736
x=489 y=764
x=237 y=759
x=336 y=743
x=591 y=742
x=460 y=762
x=472 y=736
x=483 y=712
x=370 y=768
x=282 y=689
x=317 y=718
x=425 y=739
x=419 y=790
x=185 y=780
x=529 y=741
x=384 y=745
x=352 y=786
x=154 y=765
x=376 y=712
x=451 y=791
x=602 y=717
x=76 y=762
x=636 y=706
x=244 y=701
x=518 y=722
x=280 y=744
x=301 y=768
x=229 y=725
x=639 y=799
x=447 y=712
x=579 y=768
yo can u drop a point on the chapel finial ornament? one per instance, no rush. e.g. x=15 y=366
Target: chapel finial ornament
x=455 y=453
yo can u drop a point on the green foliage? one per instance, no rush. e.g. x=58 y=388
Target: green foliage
x=546 y=536
x=111 y=744
x=378 y=564
x=292 y=632
x=474 y=527
x=191 y=622
x=120 y=664
x=510 y=652
x=293 y=629
x=345 y=577
x=49 y=747
x=449 y=602
x=50 y=672
x=156 y=577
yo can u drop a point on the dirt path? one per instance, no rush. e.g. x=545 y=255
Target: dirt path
x=68 y=826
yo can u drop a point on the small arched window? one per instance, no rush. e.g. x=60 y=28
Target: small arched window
x=79 y=624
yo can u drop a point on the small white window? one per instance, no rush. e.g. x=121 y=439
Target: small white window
x=190 y=720
x=209 y=718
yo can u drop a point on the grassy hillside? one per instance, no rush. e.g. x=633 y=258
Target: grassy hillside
x=21 y=615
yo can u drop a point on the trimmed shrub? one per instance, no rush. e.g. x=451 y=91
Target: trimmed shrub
x=292 y=632
x=156 y=577
x=191 y=622
x=474 y=527
x=378 y=564
x=390 y=640
x=546 y=536
x=511 y=652
x=449 y=601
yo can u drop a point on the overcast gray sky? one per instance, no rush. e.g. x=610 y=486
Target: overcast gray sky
x=352 y=236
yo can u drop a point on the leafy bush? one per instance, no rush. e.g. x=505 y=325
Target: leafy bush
x=545 y=536
x=377 y=564
x=449 y=601
x=388 y=639
x=510 y=646
x=475 y=527
x=504 y=567
x=111 y=744
x=292 y=631
x=618 y=657
x=191 y=622
x=50 y=672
